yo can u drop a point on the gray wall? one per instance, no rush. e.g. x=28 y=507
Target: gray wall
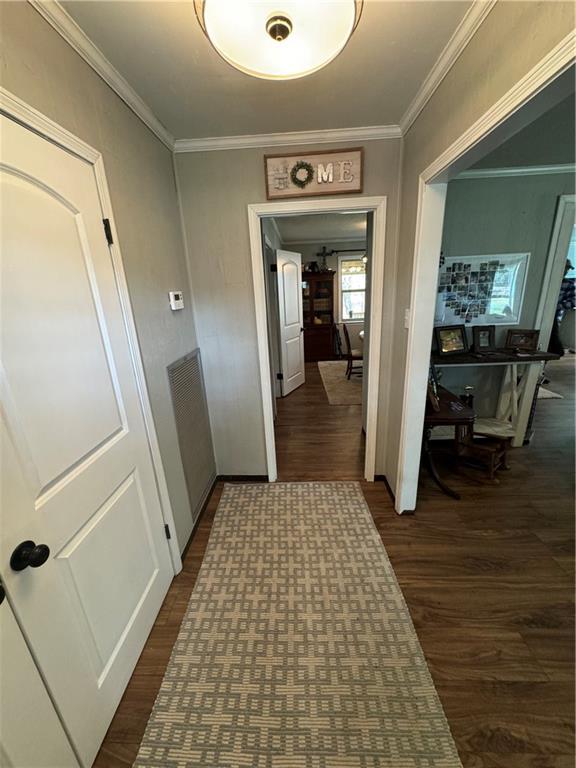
x=549 y=140
x=38 y=66
x=216 y=188
x=501 y=215
x=487 y=68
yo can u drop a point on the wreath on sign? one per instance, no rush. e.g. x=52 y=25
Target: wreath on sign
x=301 y=165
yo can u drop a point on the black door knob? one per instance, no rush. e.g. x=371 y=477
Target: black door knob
x=29 y=554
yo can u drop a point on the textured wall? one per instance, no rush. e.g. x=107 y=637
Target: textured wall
x=38 y=66
x=216 y=188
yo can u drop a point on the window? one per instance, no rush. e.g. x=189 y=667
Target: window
x=352 y=285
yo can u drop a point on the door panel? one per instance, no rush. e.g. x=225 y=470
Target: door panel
x=118 y=531
x=289 y=272
x=77 y=473
x=45 y=320
x=291 y=290
x=31 y=735
x=293 y=358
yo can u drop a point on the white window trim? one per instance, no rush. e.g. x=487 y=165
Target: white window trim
x=346 y=257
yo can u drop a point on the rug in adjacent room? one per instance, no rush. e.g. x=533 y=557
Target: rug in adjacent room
x=339 y=389
x=297 y=649
x=547 y=394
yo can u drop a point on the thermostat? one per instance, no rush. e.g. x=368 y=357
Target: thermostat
x=176 y=300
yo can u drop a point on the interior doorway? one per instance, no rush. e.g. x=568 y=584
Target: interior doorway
x=317 y=275
x=479 y=154
x=311 y=290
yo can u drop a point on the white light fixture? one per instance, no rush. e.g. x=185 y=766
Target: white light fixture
x=278 y=40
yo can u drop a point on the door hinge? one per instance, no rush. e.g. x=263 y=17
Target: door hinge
x=167 y=531
x=273 y=267
x=280 y=376
x=108 y=231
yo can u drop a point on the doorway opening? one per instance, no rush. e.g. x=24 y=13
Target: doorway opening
x=495 y=218
x=315 y=267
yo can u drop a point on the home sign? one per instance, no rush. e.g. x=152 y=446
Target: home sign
x=338 y=172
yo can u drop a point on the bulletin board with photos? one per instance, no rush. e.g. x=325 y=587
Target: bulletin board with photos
x=481 y=290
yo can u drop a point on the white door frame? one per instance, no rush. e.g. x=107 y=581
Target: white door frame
x=376 y=205
x=465 y=150
x=551 y=282
x=18 y=110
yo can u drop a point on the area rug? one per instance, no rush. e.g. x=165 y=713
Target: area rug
x=339 y=389
x=297 y=649
x=547 y=394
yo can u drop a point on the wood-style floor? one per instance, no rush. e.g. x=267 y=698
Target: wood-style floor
x=489 y=581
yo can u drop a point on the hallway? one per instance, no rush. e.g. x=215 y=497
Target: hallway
x=488 y=581
x=316 y=440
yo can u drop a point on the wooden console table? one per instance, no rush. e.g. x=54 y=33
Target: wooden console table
x=513 y=407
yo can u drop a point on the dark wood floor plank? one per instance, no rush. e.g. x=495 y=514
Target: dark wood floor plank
x=488 y=581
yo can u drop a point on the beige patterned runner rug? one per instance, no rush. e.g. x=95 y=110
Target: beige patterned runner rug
x=297 y=649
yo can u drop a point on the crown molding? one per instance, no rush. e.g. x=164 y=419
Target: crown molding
x=525 y=170
x=457 y=43
x=293 y=138
x=64 y=24
x=554 y=63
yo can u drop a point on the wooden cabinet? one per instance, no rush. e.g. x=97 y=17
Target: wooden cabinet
x=318 y=306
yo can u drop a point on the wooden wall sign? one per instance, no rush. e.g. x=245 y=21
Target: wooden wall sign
x=338 y=172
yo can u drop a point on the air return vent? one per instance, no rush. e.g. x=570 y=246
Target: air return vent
x=193 y=427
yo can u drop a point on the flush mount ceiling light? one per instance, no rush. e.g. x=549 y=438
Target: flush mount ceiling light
x=278 y=40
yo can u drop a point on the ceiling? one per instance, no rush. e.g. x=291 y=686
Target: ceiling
x=160 y=49
x=322 y=227
x=548 y=140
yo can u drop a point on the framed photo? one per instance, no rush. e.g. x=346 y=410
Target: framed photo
x=451 y=339
x=484 y=338
x=481 y=290
x=524 y=339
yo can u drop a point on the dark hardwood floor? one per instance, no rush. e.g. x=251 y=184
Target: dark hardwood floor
x=316 y=440
x=489 y=581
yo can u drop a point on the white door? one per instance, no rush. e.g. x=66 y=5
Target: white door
x=289 y=272
x=77 y=474
x=31 y=734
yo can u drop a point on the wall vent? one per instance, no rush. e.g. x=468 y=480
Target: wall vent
x=193 y=427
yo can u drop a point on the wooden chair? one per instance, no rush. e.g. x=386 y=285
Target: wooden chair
x=489 y=453
x=351 y=355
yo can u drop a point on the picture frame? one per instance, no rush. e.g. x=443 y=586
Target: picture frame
x=331 y=172
x=484 y=338
x=451 y=339
x=525 y=339
x=481 y=289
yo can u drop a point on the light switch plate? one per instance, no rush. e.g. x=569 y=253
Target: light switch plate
x=407 y=317
x=176 y=300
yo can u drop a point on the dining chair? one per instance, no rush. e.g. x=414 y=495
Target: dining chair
x=352 y=355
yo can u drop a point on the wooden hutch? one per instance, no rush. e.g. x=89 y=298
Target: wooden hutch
x=318 y=305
